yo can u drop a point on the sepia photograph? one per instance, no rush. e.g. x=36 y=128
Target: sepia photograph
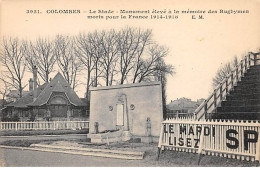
x=120 y=83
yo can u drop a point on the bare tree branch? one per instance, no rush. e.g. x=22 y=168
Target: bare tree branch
x=68 y=63
x=43 y=56
x=131 y=44
x=109 y=57
x=12 y=61
x=85 y=52
x=4 y=89
x=223 y=72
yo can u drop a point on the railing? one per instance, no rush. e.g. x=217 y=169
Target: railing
x=177 y=115
x=44 y=125
x=224 y=138
x=220 y=93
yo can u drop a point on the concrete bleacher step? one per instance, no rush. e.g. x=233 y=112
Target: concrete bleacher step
x=250 y=85
x=107 y=153
x=244 y=91
x=251 y=92
x=251 y=77
x=248 y=82
x=237 y=115
x=255 y=67
x=249 y=102
x=248 y=75
x=243 y=96
x=239 y=109
x=241 y=88
x=253 y=71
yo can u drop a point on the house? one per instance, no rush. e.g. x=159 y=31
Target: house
x=55 y=100
x=182 y=107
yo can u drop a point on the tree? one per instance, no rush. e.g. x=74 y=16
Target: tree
x=109 y=58
x=42 y=51
x=224 y=71
x=85 y=52
x=142 y=65
x=120 y=56
x=131 y=44
x=162 y=70
x=68 y=62
x=30 y=59
x=29 y=55
x=4 y=89
x=14 y=66
x=97 y=50
x=146 y=67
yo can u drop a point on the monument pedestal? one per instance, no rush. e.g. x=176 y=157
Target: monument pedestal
x=109 y=137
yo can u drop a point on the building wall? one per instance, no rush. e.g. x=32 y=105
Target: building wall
x=146 y=99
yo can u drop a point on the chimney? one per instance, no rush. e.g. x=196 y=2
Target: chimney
x=31 y=84
x=34 y=83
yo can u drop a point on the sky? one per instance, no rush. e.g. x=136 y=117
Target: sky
x=198 y=47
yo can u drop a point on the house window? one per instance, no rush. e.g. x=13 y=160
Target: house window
x=120 y=114
x=58 y=100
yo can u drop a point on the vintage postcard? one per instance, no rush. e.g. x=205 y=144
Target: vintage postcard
x=120 y=83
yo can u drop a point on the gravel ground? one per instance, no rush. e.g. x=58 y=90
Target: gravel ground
x=166 y=159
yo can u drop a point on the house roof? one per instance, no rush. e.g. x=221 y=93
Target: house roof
x=44 y=92
x=28 y=98
x=57 y=84
x=183 y=103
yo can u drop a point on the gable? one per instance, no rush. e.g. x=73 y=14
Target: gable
x=58 y=84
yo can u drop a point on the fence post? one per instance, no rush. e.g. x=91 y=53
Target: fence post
x=205 y=110
x=227 y=86
x=237 y=73
x=160 y=143
x=245 y=63
x=201 y=144
x=257 y=156
x=16 y=124
x=54 y=123
x=220 y=92
x=241 y=69
x=249 y=60
x=215 y=98
x=254 y=59
x=232 y=83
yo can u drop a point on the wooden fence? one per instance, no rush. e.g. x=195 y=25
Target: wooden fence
x=225 y=138
x=44 y=125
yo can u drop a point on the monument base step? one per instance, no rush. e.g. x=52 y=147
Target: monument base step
x=118 y=154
